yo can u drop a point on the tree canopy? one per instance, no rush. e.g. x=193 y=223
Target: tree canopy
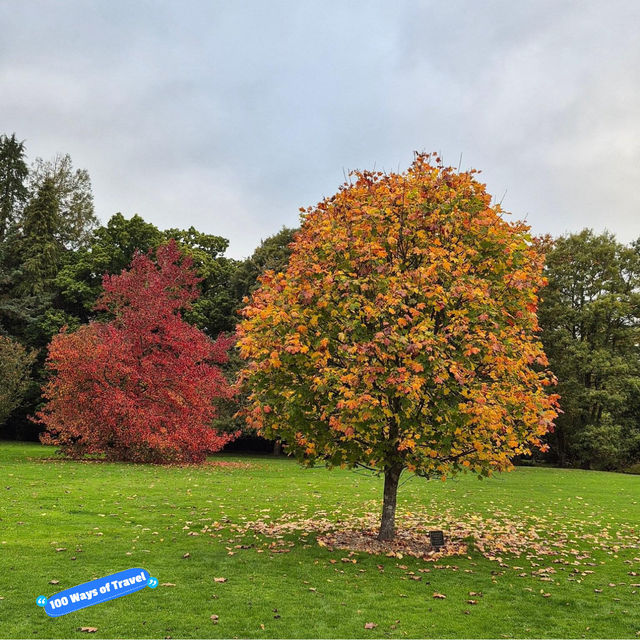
x=74 y=195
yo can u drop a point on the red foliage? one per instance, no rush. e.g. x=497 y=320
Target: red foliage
x=142 y=386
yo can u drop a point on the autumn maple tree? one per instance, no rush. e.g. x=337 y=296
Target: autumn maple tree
x=403 y=334
x=143 y=385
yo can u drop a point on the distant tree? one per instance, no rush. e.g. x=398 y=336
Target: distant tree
x=403 y=334
x=56 y=220
x=110 y=249
x=272 y=255
x=215 y=310
x=20 y=316
x=141 y=387
x=590 y=316
x=15 y=367
x=37 y=251
x=13 y=175
x=30 y=258
x=46 y=213
x=74 y=195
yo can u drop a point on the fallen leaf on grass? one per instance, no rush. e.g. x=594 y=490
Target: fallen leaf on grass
x=219 y=579
x=215 y=618
x=370 y=625
x=186 y=555
x=546 y=595
x=88 y=629
x=61 y=549
x=440 y=596
x=54 y=581
x=167 y=584
x=472 y=602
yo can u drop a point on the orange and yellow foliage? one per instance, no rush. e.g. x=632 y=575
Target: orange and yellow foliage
x=404 y=331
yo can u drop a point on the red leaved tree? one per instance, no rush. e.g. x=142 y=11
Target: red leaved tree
x=143 y=386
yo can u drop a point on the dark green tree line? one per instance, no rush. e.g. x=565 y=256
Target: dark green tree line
x=53 y=255
x=590 y=319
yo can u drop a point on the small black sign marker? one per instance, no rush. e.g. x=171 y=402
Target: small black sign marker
x=437 y=539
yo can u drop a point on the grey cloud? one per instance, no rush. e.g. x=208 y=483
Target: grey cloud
x=230 y=116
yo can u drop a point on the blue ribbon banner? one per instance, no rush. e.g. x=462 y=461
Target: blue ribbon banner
x=86 y=595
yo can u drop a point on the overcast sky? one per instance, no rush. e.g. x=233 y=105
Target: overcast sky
x=229 y=116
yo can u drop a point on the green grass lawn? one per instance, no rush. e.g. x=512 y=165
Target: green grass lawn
x=110 y=517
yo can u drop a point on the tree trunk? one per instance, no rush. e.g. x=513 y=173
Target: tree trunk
x=388 y=523
x=277 y=447
x=561 y=444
